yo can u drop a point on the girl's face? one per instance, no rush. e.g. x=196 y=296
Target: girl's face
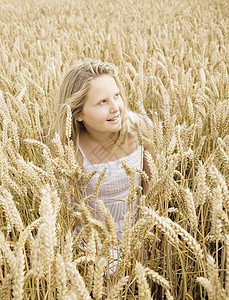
x=102 y=112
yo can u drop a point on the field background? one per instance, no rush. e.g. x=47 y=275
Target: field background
x=173 y=60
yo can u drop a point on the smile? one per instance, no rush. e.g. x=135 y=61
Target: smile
x=114 y=118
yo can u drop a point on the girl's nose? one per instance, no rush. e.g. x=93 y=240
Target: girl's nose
x=114 y=106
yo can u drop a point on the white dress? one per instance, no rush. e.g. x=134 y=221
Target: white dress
x=114 y=189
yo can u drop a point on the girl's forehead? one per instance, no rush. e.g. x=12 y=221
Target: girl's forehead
x=102 y=78
x=101 y=87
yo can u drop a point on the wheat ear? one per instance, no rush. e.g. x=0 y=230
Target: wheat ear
x=18 y=274
x=78 y=285
x=11 y=213
x=7 y=253
x=98 y=278
x=143 y=286
x=109 y=221
x=60 y=277
x=159 y=280
x=116 y=289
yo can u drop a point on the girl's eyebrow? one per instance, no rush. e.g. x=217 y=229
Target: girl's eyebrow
x=106 y=98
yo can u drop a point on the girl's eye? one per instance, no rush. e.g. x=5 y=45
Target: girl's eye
x=102 y=102
x=117 y=95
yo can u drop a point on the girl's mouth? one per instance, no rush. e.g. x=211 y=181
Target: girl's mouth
x=114 y=118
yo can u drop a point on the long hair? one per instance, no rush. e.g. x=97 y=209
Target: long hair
x=73 y=92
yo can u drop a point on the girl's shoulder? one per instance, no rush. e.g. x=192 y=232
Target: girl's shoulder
x=136 y=118
x=146 y=129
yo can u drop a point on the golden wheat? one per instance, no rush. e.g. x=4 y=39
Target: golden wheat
x=172 y=58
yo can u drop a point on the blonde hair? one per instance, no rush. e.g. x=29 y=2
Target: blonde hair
x=73 y=92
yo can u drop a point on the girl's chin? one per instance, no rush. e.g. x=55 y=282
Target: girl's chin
x=117 y=127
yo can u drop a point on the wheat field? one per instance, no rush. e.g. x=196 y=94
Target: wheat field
x=173 y=60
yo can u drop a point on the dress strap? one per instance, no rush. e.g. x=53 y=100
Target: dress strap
x=81 y=151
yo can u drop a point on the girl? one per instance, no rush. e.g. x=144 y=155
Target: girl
x=102 y=132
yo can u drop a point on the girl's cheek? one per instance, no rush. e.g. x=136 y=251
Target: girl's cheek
x=122 y=103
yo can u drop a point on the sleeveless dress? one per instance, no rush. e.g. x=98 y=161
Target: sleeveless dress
x=114 y=189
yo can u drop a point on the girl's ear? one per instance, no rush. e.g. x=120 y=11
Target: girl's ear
x=79 y=118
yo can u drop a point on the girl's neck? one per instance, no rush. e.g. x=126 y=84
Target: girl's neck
x=97 y=139
x=100 y=151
